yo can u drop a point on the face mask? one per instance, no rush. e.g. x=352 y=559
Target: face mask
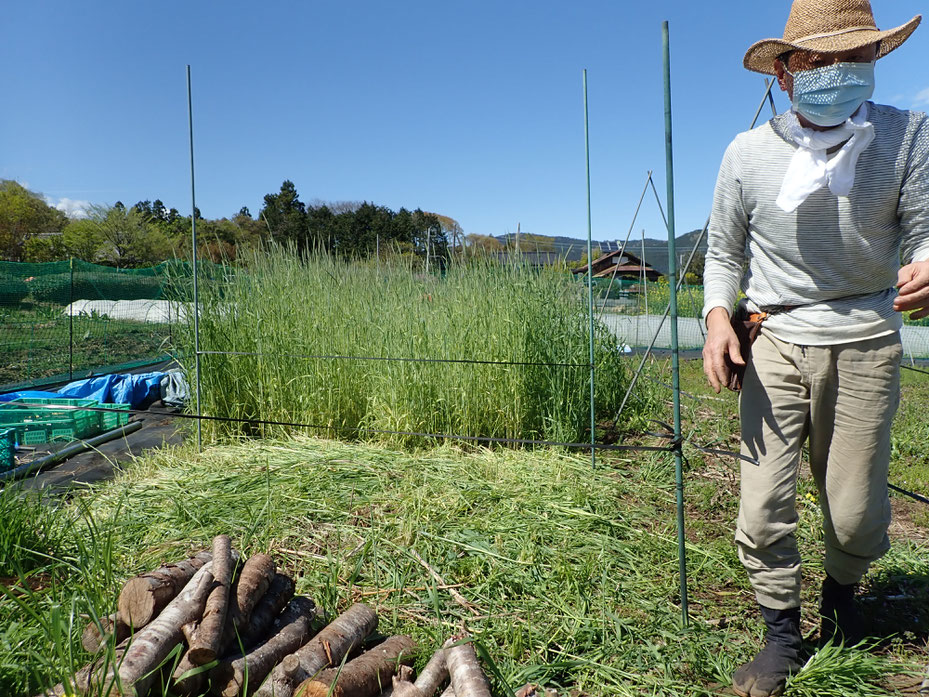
x=829 y=95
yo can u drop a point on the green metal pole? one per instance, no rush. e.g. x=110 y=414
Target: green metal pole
x=193 y=235
x=71 y=322
x=675 y=362
x=590 y=284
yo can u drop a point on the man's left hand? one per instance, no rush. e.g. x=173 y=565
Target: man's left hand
x=913 y=289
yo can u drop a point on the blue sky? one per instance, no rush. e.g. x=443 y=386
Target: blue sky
x=469 y=109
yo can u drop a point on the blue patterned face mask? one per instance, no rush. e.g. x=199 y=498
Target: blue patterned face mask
x=829 y=95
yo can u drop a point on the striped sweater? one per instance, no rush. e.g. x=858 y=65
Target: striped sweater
x=835 y=258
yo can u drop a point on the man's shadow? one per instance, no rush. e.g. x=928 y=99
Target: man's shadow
x=896 y=606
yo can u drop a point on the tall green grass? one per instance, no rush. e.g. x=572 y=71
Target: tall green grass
x=349 y=313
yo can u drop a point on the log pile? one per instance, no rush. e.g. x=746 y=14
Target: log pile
x=212 y=625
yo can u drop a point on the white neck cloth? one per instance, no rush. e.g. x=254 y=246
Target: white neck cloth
x=810 y=169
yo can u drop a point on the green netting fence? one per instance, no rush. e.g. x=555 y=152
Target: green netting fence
x=69 y=319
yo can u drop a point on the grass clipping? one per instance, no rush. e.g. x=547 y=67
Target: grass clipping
x=568 y=576
x=310 y=333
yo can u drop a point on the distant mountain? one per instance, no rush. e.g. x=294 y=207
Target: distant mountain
x=572 y=248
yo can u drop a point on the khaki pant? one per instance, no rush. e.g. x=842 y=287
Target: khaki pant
x=843 y=399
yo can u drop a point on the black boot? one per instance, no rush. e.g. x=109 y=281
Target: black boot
x=841 y=620
x=767 y=674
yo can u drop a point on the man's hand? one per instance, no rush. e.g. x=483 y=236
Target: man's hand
x=913 y=289
x=720 y=341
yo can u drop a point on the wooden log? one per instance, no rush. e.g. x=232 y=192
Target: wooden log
x=87 y=678
x=243 y=673
x=206 y=642
x=402 y=684
x=435 y=672
x=96 y=634
x=151 y=645
x=253 y=582
x=185 y=685
x=144 y=596
x=365 y=676
x=465 y=671
x=268 y=608
x=326 y=649
x=256 y=577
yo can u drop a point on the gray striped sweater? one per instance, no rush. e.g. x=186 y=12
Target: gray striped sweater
x=835 y=258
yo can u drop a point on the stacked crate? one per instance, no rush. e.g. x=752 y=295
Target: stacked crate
x=45 y=420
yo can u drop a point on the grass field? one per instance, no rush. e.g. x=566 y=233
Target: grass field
x=570 y=574
x=484 y=349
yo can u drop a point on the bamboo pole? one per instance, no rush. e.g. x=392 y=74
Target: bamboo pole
x=675 y=358
x=590 y=283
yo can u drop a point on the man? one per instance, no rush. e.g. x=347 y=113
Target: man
x=821 y=203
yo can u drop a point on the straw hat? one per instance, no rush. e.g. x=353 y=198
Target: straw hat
x=827 y=26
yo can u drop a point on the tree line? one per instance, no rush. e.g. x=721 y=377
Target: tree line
x=149 y=232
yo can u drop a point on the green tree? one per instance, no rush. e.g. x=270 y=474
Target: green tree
x=482 y=244
x=83 y=240
x=23 y=215
x=285 y=215
x=127 y=238
x=452 y=230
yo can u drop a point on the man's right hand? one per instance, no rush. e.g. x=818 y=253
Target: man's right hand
x=720 y=341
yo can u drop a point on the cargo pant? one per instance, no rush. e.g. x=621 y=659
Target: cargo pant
x=843 y=399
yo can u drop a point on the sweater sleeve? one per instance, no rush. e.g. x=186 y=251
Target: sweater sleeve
x=913 y=208
x=727 y=232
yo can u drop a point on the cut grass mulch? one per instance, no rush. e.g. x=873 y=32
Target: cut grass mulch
x=569 y=576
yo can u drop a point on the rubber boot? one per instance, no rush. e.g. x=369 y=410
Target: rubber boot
x=841 y=621
x=766 y=675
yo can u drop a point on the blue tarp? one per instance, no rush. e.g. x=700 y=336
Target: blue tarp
x=138 y=390
x=27 y=394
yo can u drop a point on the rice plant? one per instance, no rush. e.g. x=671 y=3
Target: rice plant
x=381 y=351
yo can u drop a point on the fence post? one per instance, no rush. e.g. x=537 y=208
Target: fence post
x=71 y=322
x=590 y=286
x=675 y=365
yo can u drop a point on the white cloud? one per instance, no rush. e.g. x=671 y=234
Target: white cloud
x=922 y=98
x=70 y=207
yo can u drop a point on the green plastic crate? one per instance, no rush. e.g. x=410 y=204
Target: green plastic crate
x=81 y=423
x=7 y=449
x=38 y=432
x=113 y=419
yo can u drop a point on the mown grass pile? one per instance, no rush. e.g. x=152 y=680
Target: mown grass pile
x=315 y=331
x=569 y=575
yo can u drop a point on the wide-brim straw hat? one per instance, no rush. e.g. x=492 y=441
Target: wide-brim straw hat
x=827 y=26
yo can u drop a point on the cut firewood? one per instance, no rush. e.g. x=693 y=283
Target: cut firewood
x=96 y=634
x=243 y=673
x=143 y=597
x=88 y=677
x=435 y=673
x=268 y=608
x=256 y=576
x=189 y=629
x=187 y=685
x=465 y=671
x=206 y=642
x=151 y=645
x=365 y=676
x=326 y=649
x=254 y=580
x=402 y=684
